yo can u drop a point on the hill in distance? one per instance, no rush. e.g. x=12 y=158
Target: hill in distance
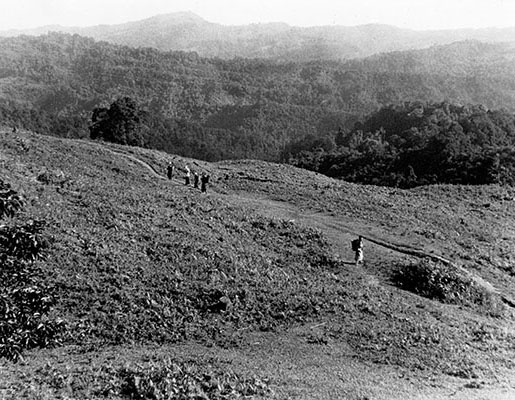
x=251 y=288
x=217 y=109
x=186 y=31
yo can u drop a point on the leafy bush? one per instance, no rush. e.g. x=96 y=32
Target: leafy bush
x=24 y=302
x=187 y=381
x=446 y=284
x=24 y=305
x=10 y=201
x=50 y=177
x=23 y=242
x=23 y=324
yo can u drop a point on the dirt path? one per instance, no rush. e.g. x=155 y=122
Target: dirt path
x=147 y=166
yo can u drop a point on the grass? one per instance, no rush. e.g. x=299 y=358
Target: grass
x=136 y=260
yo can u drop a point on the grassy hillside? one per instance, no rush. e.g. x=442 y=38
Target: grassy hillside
x=250 y=289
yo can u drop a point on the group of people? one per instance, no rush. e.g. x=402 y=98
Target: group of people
x=357 y=244
x=202 y=179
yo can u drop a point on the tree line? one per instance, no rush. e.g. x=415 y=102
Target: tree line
x=417 y=143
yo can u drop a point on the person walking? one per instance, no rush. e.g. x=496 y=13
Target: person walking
x=187 y=175
x=195 y=180
x=204 y=180
x=169 y=170
x=357 y=247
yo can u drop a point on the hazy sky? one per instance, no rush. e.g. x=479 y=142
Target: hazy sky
x=414 y=14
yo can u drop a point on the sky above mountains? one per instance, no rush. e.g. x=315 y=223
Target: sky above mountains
x=411 y=14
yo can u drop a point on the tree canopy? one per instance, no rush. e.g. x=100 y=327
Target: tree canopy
x=122 y=122
x=417 y=143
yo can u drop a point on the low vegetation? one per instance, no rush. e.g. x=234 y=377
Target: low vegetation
x=184 y=381
x=447 y=284
x=10 y=201
x=25 y=302
x=159 y=378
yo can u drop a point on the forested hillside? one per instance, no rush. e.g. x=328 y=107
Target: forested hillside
x=418 y=144
x=243 y=108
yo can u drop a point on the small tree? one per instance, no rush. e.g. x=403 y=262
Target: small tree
x=122 y=123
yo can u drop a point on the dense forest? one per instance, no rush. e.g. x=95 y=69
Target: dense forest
x=417 y=143
x=242 y=108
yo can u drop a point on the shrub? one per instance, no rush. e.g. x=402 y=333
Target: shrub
x=24 y=302
x=54 y=177
x=23 y=324
x=10 y=201
x=187 y=380
x=445 y=283
x=24 y=242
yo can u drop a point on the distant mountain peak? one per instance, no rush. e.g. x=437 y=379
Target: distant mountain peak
x=177 y=17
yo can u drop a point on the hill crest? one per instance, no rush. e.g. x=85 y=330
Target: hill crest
x=186 y=31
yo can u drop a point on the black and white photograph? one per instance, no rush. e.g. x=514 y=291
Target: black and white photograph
x=257 y=199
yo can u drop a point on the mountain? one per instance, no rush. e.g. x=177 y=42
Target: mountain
x=186 y=31
x=216 y=109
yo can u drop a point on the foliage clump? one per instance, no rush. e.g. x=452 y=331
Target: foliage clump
x=446 y=284
x=122 y=122
x=187 y=380
x=24 y=301
x=10 y=201
x=156 y=379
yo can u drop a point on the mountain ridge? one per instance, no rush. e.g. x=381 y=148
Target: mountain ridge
x=186 y=31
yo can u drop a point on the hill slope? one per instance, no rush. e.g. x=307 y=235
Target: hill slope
x=186 y=31
x=256 y=276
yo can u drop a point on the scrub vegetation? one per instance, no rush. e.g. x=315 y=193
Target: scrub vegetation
x=250 y=289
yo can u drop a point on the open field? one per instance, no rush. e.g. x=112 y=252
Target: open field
x=251 y=289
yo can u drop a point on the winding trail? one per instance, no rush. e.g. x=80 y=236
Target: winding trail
x=338 y=231
x=144 y=164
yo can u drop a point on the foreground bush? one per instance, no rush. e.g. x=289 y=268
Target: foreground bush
x=158 y=379
x=25 y=242
x=10 y=201
x=445 y=283
x=188 y=380
x=24 y=301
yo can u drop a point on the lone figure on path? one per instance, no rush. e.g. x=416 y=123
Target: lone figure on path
x=187 y=175
x=357 y=247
